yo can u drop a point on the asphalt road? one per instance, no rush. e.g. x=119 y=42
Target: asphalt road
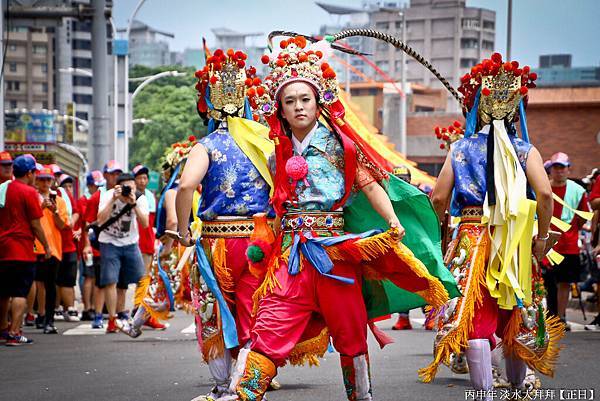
x=166 y=366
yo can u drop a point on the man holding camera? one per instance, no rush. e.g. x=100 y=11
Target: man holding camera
x=121 y=260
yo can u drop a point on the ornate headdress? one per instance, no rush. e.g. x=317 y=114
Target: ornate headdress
x=222 y=86
x=495 y=89
x=177 y=153
x=300 y=62
x=295 y=63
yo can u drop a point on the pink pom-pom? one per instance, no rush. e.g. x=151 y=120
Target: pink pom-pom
x=296 y=168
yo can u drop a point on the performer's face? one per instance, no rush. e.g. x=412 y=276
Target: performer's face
x=299 y=106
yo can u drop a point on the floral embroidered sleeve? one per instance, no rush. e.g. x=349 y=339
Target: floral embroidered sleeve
x=366 y=171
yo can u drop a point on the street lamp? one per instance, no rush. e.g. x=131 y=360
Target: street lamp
x=142 y=121
x=148 y=80
x=126 y=81
x=153 y=78
x=73 y=70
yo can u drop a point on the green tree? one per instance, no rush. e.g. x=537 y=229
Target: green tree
x=170 y=104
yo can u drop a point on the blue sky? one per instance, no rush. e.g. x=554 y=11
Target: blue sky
x=539 y=26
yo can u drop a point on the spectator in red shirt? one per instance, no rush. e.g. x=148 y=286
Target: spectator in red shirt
x=595 y=204
x=67 y=271
x=6 y=169
x=147 y=235
x=90 y=256
x=20 y=215
x=558 y=278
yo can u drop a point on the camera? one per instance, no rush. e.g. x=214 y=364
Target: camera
x=126 y=190
x=52 y=196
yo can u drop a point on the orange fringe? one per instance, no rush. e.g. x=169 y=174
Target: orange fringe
x=545 y=363
x=139 y=299
x=456 y=340
x=309 y=351
x=222 y=273
x=213 y=347
x=378 y=245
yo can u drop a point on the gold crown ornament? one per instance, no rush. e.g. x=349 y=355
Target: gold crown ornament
x=296 y=62
x=502 y=85
x=222 y=85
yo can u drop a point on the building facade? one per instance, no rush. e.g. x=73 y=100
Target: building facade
x=29 y=69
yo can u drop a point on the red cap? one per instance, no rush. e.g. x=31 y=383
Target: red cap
x=45 y=172
x=5 y=158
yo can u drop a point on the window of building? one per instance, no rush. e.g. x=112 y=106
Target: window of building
x=470 y=23
x=82 y=44
x=382 y=25
x=80 y=62
x=45 y=87
x=44 y=68
x=382 y=46
x=82 y=80
x=39 y=49
x=13 y=86
x=44 y=104
x=488 y=24
x=383 y=65
x=487 y=44
x=12 y=104
x=82 y=26
x=82 y=114
x=469 y=43
x=18 y=29
x=399 y=25
x=467 y=62
x=12 y=67
x=82 y=99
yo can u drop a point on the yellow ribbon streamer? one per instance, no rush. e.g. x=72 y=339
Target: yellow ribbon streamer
x=512 y=220
x=561 y=225
x=253 y=140
x=580 y=213
x=554 y=257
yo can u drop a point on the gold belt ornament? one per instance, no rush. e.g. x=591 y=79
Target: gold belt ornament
x=234 y=228
x=313 y=221
x=471 y=214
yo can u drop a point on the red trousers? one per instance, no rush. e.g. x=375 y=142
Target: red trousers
x=245 y=286
x=297 y=309
x=489 y=319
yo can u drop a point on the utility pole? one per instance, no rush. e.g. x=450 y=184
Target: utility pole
x=403 y=100
x=509 y=30
x=99 y=148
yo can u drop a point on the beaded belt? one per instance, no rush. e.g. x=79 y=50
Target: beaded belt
x=239 y=227
x=313 y=221
x=471 y=214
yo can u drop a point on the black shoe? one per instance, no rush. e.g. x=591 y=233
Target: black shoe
x=87 y=316
x=39 y=322
x=50 y=329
